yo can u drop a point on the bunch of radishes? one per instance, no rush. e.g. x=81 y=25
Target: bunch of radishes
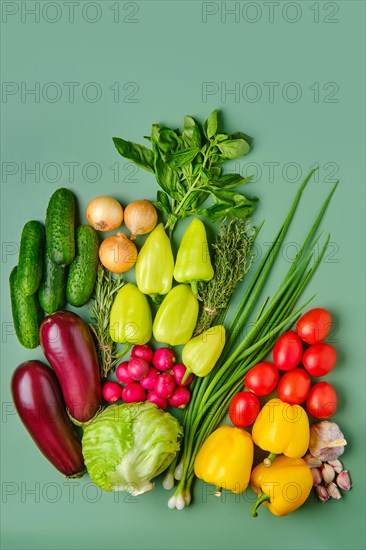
x=151 y=376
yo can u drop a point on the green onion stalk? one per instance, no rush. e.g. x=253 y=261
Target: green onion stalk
x=212 y=394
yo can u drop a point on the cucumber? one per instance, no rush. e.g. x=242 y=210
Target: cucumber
x=83 y=270
x=60 y=227
x=26 y=313
x=52 y=290
x=31 y=257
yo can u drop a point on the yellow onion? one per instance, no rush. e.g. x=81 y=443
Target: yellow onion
x=117 y=253
x=104 y=213
x=140 y=217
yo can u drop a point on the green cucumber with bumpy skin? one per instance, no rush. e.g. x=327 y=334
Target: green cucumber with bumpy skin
x=52 y=290
x=31 y=257
x=83 y=270
x=60 y=227
x=26 y=313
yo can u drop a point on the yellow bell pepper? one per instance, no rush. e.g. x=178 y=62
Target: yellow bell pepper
x=201 y=353
x=281 y=428
x=283 y=487
x=225 y=459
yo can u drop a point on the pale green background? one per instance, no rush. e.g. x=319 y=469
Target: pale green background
x=167 y=54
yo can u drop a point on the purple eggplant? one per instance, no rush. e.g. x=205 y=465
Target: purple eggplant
x=39 y=402
x=68 y=345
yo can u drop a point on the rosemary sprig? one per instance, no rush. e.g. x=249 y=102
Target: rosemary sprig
x=105 y=290
x=232 y=259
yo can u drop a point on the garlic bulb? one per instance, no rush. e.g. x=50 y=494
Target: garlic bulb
x=326 y=441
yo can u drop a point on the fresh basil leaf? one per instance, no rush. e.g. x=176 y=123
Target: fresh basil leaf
x=215 y=172
x=182 y=158
x=191 y=134
x=241 y=135
x=218 y=211
x=163 y=199
x=230 y=180
x=234 y=148
x=197 y=168
x=166 y=177
x=165 y=140
x=195 y=199
x=180 y=188
x=230 y=198
x=139 y=154
x=211 y=124
x=221 y=137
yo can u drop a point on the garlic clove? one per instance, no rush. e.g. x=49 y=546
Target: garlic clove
x=317 y=476
x=333 y=491
x=322 y=493
x=312 y=461
x=327 y=472
x=336 y=465
x=343 y=481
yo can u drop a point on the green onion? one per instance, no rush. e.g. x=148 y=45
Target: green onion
x=212 y=394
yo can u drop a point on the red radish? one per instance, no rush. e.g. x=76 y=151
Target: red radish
x=149 y=381
x=159 y=401
x=137 y=368
x=122 y=373
x=142 y=352
x=180 y=397
x=163 y=359
x=164 y=385
x=133 y=393
x=179 y=371
x=111 y=392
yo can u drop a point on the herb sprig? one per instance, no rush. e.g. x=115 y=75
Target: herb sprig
x=106 y=288
x=232 y=259
x=187 y=168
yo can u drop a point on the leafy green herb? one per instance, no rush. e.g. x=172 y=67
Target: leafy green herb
x=105 y=290
x=186 y=166
x=232 y=259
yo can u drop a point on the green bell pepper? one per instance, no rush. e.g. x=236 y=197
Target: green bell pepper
x=193 y=261
x=155 y=264
x=201 y=353
x=176 y=318
x=130 y=321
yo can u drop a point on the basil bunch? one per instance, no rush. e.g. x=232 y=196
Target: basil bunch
x=187 y=168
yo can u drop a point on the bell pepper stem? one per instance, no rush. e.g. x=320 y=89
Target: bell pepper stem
x=156 y=298
x=269 y=459
x=194 y=287
x=125 y=350
x=263 y=498
x=185 y=376
x=218 y=491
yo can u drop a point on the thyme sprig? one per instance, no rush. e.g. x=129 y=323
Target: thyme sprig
x=106 y=288
x=232 y=259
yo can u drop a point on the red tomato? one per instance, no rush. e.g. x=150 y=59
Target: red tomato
x=294 y=386
x=314 y=326
x=322 y=400
x=319 y=359
x=244 y=409
x=287 y=351
x=262 y=378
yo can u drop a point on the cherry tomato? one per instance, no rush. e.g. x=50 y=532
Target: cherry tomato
x=319 y=359
x=287 y=351
x=314 y=326
x=294 y=386
x=244 y=409
x=322 y=400
x=262 y=378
